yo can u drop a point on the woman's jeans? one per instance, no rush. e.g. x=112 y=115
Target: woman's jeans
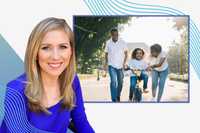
x=158 y=80
x=133 y=82
x=116 y=82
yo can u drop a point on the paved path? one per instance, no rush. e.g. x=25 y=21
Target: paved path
x=98 y=91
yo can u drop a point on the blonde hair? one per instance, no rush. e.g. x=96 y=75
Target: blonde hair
x=34 y=87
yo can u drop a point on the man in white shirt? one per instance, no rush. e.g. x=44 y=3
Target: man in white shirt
x=116 y=53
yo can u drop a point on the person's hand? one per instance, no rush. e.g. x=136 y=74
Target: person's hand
x=105 y=67
x=133 y=70
x=149 y=68
x=125 y=66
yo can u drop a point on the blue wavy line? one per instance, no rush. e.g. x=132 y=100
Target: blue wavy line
x=154 y=6
x=100 y=7
x=125 y=5
x=196 y=39
x=132 y=11
x=110 y=9
x=195 y=58
x=97 y=3
x=15 y=108
x=89 y=8
x=116 y=8
x=101 y=11
x=194 y=42
x=107 y=11
x=94 y=10
x=10 y=107
x=195 y=28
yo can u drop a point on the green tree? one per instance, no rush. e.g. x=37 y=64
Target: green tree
x=178 y=53
x=90 y=35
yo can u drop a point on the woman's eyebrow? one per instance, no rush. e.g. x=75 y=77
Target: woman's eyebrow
x=64 y=43
x=46 y=44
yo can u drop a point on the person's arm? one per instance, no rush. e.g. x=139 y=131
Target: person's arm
x=106 y=56
x=159 y=64
x=78 y=114
x=15 y=113
x=146 y=66
x=126 y=54
x=125 y=58
x=106 y=61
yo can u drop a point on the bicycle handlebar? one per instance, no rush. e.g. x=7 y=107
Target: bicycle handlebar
x=128 y=68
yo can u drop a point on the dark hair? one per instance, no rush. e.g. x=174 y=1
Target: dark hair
x=156 y=48
x=113 y=30
x=133 y=56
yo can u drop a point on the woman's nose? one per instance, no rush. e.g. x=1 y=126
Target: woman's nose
x=55 y=54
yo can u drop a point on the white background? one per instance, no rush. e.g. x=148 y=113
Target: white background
x=17 y=19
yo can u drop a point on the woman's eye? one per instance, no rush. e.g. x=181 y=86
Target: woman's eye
x=45 y=48
x=63 y=47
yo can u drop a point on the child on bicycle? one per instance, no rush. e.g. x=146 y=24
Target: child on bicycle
x=137 y=63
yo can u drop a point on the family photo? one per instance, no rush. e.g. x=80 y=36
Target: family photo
x=133 y=58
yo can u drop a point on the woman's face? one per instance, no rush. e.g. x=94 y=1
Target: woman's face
x=54 y=53
x=139 y=54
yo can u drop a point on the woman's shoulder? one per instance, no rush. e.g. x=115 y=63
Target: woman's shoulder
x=17 y=84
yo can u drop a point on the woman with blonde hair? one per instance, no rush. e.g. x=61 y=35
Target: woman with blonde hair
x=48 y=95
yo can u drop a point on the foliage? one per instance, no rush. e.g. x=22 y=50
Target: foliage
x=90 y=35
x=178 y=53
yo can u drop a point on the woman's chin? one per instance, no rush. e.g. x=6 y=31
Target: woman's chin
x=54 y=73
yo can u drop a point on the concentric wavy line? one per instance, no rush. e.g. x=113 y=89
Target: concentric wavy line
x=124 y=7
x=15 y=114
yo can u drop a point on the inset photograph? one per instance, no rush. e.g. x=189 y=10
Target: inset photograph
x=133 y=59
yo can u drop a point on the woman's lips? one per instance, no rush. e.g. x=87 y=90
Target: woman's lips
x=55 y=65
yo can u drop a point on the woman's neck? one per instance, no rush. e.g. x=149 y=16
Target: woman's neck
x=51 y=86
x=49 y=81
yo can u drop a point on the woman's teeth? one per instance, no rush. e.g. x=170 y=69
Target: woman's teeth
x=55 y=65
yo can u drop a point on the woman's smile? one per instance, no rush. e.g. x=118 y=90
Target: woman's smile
x=55 y=65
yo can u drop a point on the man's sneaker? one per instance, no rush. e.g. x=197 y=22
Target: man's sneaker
x=153 y=99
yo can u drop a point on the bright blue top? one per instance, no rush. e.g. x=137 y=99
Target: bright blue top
x=19 y=119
